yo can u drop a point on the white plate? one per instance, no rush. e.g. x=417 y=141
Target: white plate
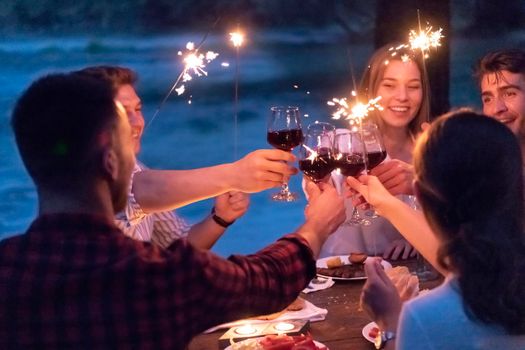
x=344 y=259
x=367 y=329
x=318 y=344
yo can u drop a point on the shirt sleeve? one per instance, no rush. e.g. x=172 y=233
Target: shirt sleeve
x=242 y=286
x=167 y=227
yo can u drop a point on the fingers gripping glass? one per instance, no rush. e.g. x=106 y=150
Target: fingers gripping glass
x=376 y=153
x=284 y=133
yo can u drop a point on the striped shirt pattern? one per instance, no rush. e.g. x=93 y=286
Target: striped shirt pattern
x=160 y=228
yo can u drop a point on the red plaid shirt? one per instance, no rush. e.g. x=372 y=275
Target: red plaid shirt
x=75 y=281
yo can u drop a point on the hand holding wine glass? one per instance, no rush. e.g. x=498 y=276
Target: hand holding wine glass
x=316 y=155
x=376 y=153
x=350 y=159
x=284 y=133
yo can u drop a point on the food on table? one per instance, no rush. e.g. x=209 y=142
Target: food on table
x=278 y=342
x=357 y=258
x=345 y=271
x=374 y=331
x=407 y=285
x=334 y=262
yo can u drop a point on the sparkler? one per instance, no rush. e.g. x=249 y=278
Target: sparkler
x=354 y=112
x=423 y=39
x=194 y=63
x=237 y=39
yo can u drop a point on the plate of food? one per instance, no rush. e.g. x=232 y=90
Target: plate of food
x=345 y=267
x=281 y=342
x=370 y=331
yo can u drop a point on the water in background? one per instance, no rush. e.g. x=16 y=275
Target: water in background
x=299 y=67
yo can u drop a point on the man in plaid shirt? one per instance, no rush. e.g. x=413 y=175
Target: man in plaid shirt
x=73 y=280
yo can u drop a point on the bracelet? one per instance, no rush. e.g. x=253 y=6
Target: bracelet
x=220 y=221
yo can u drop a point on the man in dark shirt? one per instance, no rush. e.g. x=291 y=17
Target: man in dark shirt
x=73 y=280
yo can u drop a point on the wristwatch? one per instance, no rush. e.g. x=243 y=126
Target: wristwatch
x=220 y=221
x=382 y=338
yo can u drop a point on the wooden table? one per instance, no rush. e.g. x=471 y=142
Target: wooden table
x=341 y=330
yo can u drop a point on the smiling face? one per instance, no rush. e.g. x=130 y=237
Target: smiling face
x=131 y=102
x=401 y=93
x=124 y=148
x=503 y=98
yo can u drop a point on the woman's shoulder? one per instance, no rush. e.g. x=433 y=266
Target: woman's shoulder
x=445 y=296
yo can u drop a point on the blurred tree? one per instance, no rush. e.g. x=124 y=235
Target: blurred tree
x=394 y=19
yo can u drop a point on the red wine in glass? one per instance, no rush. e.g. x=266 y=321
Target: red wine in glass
x=320 y=166
x=284 y=132
x=350 y=159
x=350 y=164
x=375 y=158
x=376 y=153
x=285 y=140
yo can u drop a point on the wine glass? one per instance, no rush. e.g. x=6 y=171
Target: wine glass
x=316 y=154
x=284 y=133
x=424 y=270
x=349 y=152
x=376 y=153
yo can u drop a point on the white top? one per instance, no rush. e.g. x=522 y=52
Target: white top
x=437 y=320
x=161 y=228
x=372 y=239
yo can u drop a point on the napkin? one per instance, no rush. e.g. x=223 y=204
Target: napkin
x=314 y=287
x=308 y=312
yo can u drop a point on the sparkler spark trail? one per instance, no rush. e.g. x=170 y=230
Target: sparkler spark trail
x=425 y=39
x=194 y=62
x=354 y=112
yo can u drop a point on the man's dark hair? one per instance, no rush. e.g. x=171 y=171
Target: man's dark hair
x=512 y=60
x=57 y=123
x=115 y=75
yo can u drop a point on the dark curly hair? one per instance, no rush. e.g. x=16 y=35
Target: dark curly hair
x=469 y=180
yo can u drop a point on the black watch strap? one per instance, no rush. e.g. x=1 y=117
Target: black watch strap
x=220 y=221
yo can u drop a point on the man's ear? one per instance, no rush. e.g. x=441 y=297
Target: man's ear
x=110 y=163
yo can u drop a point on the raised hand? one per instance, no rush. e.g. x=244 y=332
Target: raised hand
x=396 y=175
x=379 y=297
x=399 y=249
x=231 y=205
x=371 y=189
x=262 y=169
